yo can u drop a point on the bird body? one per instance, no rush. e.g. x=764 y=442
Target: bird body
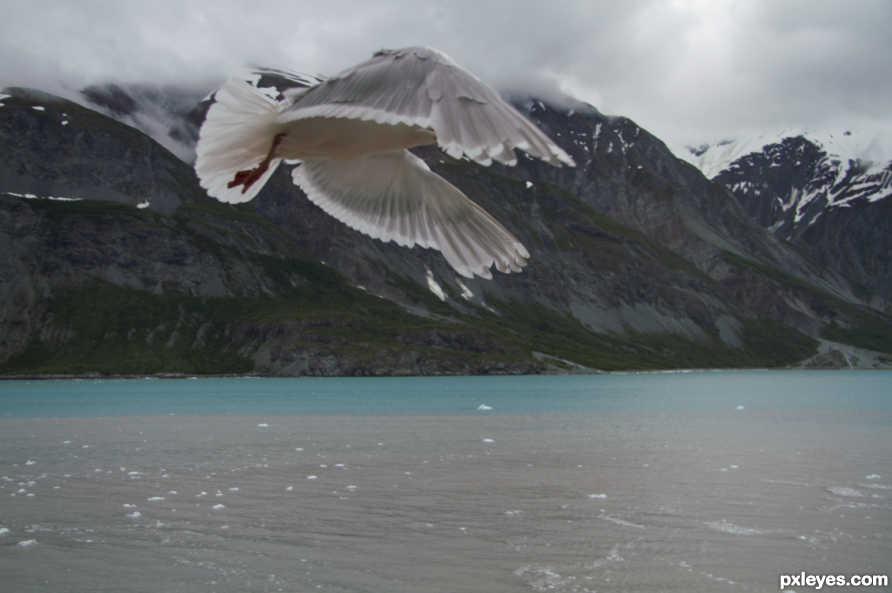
x=352 y=133
x=344 y=139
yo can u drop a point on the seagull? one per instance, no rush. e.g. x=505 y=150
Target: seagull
x=351 y=134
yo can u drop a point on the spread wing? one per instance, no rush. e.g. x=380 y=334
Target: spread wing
x=424 y=87
x=393 y=196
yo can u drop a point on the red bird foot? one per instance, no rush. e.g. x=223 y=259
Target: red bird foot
x=248 y=177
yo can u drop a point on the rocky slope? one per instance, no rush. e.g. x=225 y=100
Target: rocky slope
x=638 y=262
x=819 y=192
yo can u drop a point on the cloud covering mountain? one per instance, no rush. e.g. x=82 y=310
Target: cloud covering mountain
x=689 y=71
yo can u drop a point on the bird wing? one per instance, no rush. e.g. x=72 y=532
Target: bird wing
x=424 y=87
x=393 y=196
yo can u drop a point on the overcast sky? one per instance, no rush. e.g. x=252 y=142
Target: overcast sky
x=687 y=70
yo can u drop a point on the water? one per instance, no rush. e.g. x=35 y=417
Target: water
x=653 y=482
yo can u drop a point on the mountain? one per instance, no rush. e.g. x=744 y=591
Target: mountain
x=172 y=114
x=639 y=262
x=826 y=193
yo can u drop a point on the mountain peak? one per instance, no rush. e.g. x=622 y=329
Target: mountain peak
x=843 y=144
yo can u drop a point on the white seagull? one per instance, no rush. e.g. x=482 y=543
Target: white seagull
x=351 y=133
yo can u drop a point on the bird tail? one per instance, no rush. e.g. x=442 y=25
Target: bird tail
x=236 y=136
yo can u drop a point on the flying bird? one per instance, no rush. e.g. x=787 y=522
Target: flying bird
x=351 y=134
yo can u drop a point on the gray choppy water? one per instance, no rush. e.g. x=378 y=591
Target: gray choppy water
x=709 y=500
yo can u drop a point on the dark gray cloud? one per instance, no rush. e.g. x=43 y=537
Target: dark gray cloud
x=688 y=70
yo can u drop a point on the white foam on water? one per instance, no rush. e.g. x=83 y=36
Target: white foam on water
x=845 y=491
x=66 y=442
x=614 y=555
x=488 y=441
x=171 y=491
x=727 y=527
x=597 y=496
x=129 y=506
x=3 y=530
x=876 y=486
x=29 y=462
x=351 y=487
x=38 y=108
x=156 y=498
x=217 y=507
x=484 y=407
x=233 y=489
x=622 y=522
x=299 y=449
x=289 y=488
x=263 y=426
x=27 y=543
x=739 y=408
x=311 y=477
x=543 y=578
x=513 y=512
x=872 y=477
x=135 y=514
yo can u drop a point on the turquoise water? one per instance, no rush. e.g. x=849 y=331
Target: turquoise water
x=689 y=482
x=646 y=392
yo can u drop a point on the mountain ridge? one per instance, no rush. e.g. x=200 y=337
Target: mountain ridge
x=639 y=262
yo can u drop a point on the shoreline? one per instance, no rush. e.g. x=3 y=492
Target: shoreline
x=97 y=376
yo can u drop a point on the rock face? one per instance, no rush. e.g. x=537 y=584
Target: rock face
x=817 y=193
x=638 y=262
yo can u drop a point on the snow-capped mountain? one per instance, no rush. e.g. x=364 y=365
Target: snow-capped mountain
x=824 y=191
x=786 y=180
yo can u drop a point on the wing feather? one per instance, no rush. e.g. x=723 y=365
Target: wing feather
x=393 y=196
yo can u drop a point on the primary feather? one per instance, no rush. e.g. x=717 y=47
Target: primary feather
x=352 y=132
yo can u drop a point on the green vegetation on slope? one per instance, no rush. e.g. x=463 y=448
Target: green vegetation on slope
x=859 y=328
x=106 y=329
x=111 y=330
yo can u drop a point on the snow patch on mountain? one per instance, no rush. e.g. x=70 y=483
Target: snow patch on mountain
x=874 y=147
x=789 y=180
